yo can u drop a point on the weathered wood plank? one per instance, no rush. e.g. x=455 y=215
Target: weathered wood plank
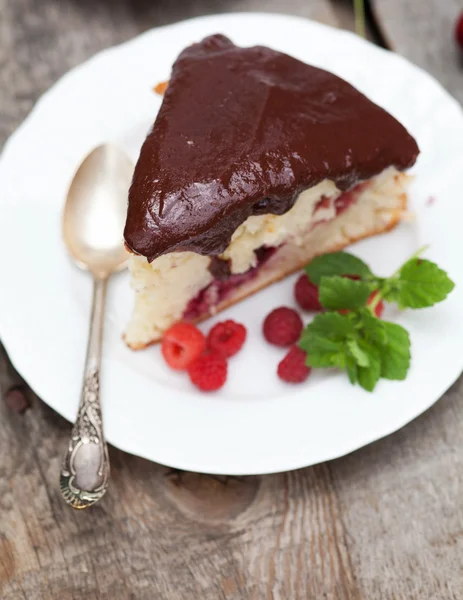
x=162 y=534
x=382 y=523
x=345 y=17
x=423 y=31
x=401 y=506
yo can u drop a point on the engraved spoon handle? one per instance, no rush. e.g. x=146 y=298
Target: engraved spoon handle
x=85 y=472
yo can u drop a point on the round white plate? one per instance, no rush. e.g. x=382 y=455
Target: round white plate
x=255 y=424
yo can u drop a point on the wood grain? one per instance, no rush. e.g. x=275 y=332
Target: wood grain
x=383 y=523
x=424 y=32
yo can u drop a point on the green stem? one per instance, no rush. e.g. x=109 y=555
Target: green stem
x=359 y=11
x=374 y=303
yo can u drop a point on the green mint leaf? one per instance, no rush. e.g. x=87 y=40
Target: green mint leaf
x=366 y=347
x=360 y=357
x=390 y=340
x=395 y=353
x=420 y=283
x=324 y=340
x=356 y=341
x=332 y=325
x=337 y=293
x=373 y=329
x=369 y=376
x=351 y=368
x=323 y=353
x=336 y=263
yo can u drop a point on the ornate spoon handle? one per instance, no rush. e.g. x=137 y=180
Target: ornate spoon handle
x=85 y=472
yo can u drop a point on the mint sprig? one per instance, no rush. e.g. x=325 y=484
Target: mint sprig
x=356 y=341
x=419 y=283
x=366 y=347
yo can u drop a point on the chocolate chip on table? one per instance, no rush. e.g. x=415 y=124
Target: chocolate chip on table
x=16 y=399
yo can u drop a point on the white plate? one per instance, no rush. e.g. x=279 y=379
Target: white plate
x=256 y=424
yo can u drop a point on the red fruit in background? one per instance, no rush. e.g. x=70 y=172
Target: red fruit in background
x=306 y=294
x=292 y=368
x=181 y=345
x=379 y=308
x=209 y=371
x=227 y=337
x=354 y=277
x=459 y=31
x=282 y=327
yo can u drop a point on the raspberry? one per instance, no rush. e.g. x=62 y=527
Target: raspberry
x=282 y=326
x=181 y=345
x=227 y=337
x=209 y=371
x=292 y=368
x=459 y=31
x=306 y=294
x=379 y=308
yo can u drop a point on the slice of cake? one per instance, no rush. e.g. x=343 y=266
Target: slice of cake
x=256 y=163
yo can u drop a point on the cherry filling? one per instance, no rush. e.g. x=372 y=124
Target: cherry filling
x=343 y=201
x=224 y=282
x=219 y=289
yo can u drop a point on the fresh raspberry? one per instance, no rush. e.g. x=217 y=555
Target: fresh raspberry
x=227 y=337
x=459 y=31
x=379 y=308
x=282 y=326
x=306 y=294
x=181 y=345
x=209 y=371
x=293 y=368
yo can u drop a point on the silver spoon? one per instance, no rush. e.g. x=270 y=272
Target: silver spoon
x=93 y=223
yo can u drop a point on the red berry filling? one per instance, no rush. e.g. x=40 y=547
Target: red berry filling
x=224 y=284
x=282 y=327
x=221 y=287
x=227 y=337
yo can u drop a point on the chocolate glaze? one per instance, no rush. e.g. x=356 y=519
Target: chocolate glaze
x=243 y=131
x=220 y=268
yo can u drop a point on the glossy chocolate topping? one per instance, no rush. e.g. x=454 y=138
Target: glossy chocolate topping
x=242 y=131
x=220 y=268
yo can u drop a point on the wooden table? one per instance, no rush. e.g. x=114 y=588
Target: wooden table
x=383 y=523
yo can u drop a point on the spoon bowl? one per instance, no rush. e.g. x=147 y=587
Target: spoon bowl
x=95 y=211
